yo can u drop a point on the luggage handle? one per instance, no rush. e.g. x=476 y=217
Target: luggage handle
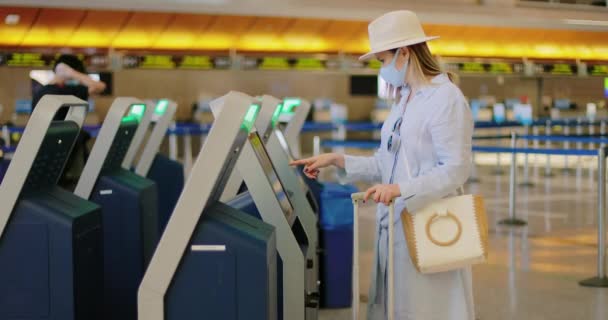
x=356 y=198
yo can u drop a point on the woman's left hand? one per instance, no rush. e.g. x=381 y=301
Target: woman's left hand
x=383 y=193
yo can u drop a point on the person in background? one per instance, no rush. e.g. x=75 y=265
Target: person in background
x=71 y=78
x=425 y=155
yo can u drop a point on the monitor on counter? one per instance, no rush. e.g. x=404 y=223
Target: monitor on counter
x=563 y=104
x=364 y=85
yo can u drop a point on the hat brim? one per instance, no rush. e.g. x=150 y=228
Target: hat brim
x=395 y=45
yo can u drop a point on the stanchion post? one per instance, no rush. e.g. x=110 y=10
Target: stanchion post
x=566 y=146
x=591 y=144
x=355 y=275
x=535 y=143
x=6 y=135
x=513 y=220
x=173 y=144
x=603 y=132
x=474 y=178
x=316 y=145
x=187 y=154
x=498 y=170
x=579 y=145
x=526 y=180
x=601 y=280
x=591 y=134
x=548 y=173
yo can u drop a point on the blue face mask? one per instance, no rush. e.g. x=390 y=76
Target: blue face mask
x=391 y=75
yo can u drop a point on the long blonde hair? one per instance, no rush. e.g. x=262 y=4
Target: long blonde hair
x=423 y=65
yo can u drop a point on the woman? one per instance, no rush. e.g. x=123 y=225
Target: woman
x=434 y=123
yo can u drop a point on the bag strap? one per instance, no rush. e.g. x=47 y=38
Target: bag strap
x=407 y=167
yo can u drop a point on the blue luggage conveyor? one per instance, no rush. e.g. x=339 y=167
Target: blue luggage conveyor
x=129 y=208
x=213 y=261
x=51 y=247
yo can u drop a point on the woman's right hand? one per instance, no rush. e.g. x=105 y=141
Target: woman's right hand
x=313 y=164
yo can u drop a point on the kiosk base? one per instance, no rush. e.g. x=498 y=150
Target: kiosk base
x=130 y=235
x=51 y=258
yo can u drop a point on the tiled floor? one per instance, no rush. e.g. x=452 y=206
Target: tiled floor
x=533 y=271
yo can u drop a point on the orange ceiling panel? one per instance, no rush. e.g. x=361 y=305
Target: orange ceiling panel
x=265 y=34
x=358 y=40
x=12 y=35
x=142 y=30
x=223 y=33
x=305 y=35
x=53 y=27
x=338 y=32
x=98 y=29
x=181 y=31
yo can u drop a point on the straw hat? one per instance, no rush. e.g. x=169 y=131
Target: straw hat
x=393 y=30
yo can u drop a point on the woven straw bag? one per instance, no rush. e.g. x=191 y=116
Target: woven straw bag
x=450 y=233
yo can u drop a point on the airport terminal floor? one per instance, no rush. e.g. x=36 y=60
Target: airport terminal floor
x=532 y=272
x=304 y=160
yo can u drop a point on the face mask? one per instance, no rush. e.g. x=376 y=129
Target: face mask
x=391 y=75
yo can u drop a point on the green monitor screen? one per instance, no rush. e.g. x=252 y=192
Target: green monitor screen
x=250 y=116
x=289 y=105
x=161 y=107
x=276 y=114
x=136 y=113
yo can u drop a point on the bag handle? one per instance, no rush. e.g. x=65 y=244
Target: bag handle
x=357 y=197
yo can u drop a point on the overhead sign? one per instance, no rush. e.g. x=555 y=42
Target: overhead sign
x=486 y=67
x=157 y=62
x=274 y=63
x=308 y=64
x=200 y=62
x=565 y=69
x=27 y=60
x=283 y=63
x=598 y=70
x=196 y=62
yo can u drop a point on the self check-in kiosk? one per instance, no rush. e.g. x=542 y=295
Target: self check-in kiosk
x=50 y=239
x=167 y=173
x=129 y=208
x=257 y=171
x=214 y=261
x=266 y=125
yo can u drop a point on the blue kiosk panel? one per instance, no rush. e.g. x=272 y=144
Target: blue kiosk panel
x=51 y=252
x=169 y=178
x=236 y=283
x=130 y=227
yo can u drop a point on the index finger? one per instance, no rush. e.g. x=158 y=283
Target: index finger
x=299 y=162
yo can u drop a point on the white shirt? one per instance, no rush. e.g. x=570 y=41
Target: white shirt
x=436 y=138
